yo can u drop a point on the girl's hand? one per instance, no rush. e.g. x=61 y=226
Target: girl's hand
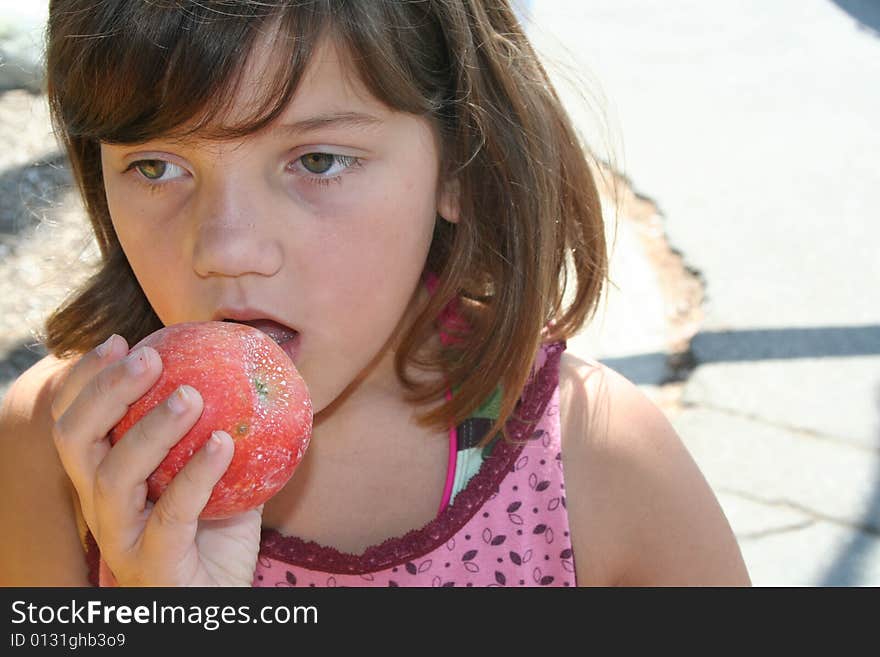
x=145 y=544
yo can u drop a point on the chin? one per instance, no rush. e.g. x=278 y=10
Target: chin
x=330 y=393
x=325 y=388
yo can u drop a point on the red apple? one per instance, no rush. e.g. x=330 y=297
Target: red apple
x=251 y=390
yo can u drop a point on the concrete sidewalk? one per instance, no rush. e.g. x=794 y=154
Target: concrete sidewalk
x=753 y=127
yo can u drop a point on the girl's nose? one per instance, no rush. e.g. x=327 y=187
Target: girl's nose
x=233 y=239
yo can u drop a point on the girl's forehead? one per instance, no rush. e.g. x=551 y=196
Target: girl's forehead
x=330 y=87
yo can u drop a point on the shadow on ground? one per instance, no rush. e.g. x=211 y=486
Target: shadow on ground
x=866 y=12
x=19 y=358
x=28 y=190
x=847 y=569
x=759 y=344
x=773 y=344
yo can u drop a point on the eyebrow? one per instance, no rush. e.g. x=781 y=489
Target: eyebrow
x=356 y=120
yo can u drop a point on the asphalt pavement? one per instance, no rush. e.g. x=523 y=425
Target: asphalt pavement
x=752 y=127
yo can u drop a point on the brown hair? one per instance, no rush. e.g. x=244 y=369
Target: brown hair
x=126 y=72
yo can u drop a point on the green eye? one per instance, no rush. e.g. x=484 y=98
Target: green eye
x=152 y=169
x=318 y=162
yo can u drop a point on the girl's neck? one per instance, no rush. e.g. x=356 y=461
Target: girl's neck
x=377 y=388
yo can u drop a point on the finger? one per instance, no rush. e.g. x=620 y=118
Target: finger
x=81 y=432
x=120 y=480
x=88 y=365
x=175 y=516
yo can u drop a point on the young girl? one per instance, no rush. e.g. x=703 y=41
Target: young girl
x=396 y=184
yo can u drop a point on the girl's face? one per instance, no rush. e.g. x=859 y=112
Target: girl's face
x=322 y=222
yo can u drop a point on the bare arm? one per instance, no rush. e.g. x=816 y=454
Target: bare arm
x=41 y=544
x=642 y=514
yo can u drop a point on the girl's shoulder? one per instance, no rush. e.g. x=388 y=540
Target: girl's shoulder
x=26 y=424
x=640 y=510
x=41 y=547
x=29 y=398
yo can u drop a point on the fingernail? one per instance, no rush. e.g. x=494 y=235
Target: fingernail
x=178 y=402
x=214 y=441
x=136 y=363
x=105 y=347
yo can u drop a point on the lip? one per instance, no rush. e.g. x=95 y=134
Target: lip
x=245 y=314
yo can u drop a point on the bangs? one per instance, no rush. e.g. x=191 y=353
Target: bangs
x=137 y=71
x=145 y=70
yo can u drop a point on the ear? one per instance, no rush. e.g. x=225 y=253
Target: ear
x=448 y=205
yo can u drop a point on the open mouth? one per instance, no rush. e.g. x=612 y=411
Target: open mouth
x=278 y=332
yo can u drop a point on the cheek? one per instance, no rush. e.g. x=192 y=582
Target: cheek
x=368 y=259
x=155 y=267
x=386 y=235
x=155 y=262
